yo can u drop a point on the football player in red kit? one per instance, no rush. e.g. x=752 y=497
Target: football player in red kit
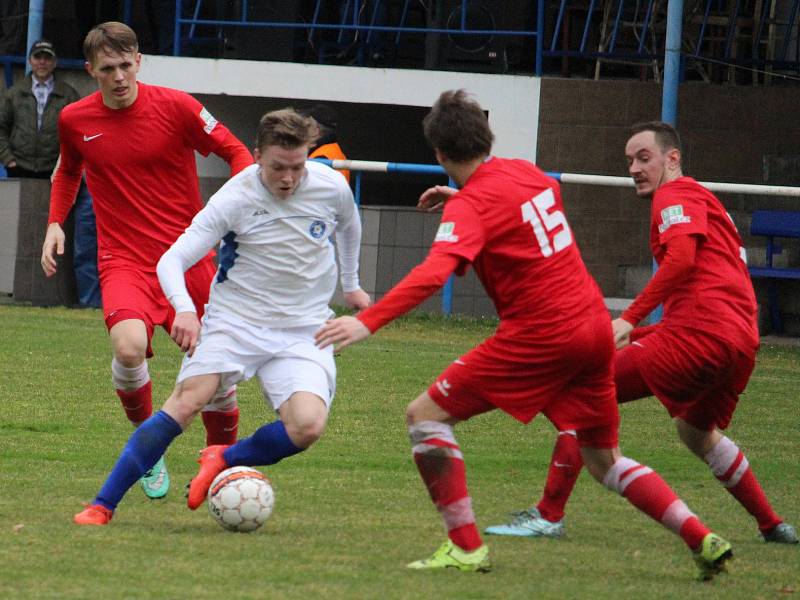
x=552 y=351
x=699 y=358
x=136 y=143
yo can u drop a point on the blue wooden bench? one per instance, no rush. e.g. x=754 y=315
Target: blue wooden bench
x=774 y=224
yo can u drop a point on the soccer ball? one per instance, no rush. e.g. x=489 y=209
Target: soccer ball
x=241 y=499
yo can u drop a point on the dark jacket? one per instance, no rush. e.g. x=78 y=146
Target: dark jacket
x=34 y=150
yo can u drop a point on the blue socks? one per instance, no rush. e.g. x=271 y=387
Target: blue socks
x=147 y=444
x=269 y=444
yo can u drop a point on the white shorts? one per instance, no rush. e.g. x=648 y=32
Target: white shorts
x=285 y=360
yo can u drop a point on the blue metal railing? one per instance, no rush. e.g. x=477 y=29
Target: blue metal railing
x=610 y=29
x=351 y=24
x=731 y=32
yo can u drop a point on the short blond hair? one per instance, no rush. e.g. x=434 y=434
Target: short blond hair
x=112 y=37
x=285 y=128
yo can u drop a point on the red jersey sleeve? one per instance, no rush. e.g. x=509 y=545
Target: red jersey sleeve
x=234 y=153
x=203 y=132
x=67 y=178
x=675 y=267
x=461 y=232
x=415 y=287
x=677 y=211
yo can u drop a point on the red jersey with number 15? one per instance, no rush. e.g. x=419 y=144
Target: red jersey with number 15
x=140 y=169
x=508 y=221
x=718 y=296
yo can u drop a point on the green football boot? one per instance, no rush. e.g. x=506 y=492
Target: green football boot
x=450 y=556
x=711 y=556
x=155 y=482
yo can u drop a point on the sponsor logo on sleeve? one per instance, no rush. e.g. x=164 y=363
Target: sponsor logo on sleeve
x=672 y=215
x=209 y=120
x=445 y=232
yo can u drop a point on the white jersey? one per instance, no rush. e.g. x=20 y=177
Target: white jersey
x=276 y=260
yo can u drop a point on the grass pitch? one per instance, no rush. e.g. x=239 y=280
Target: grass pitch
x=351 y=512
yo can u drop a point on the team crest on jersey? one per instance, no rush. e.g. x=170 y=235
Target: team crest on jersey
x=672 y=215
x=209 y=120
x=445 y=232
x=317 y=229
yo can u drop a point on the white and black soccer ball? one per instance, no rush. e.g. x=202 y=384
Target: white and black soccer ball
x=241 y=499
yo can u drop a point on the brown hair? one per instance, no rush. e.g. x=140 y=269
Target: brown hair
x=666 y=135
x=285 y=128
x=458 y=128
x=112 y=37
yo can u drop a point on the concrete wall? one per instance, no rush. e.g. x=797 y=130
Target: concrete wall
x=24 y=206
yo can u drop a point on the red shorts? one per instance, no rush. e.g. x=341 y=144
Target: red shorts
x=130 y=293
x=697 y=377
x=568 y=378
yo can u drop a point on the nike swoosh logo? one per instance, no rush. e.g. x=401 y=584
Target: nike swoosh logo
x=561 y=465
x=89 y=138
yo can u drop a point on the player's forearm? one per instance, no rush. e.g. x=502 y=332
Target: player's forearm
x=677 y=265
x=182 y=255
x=413 y=289
x=348 y=246
x=62 y=194
x=235 y=153
x=170 y=269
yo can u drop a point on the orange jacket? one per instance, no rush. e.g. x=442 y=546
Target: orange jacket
x=332 y=151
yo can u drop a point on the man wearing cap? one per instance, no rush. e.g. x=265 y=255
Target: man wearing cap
x=29 y=115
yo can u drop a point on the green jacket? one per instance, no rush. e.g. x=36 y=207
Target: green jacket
x=19 y=139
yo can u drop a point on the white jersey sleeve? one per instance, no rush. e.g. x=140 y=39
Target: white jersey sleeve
x=348 y=242
x=207 y=229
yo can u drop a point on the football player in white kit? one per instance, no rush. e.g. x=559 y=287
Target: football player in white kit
x=277 y=273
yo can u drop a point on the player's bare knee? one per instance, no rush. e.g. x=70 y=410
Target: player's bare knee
x=129 y=355
x=187 y=399
x=305 y=432
x=423 y=408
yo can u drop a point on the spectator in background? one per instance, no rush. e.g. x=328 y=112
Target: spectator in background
x=29 y=116
x=326 y=145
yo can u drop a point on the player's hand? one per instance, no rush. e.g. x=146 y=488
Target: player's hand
x=11 y=164
x=342 y=331
x=186 y=331
x=358 y=299
x=433 y=199
x=622 y=332
x=53 y=245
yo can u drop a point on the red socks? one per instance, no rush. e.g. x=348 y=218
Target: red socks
x=138 y=404
x=441 y=465
x=730 y=466
x=645 y=489
x=565 y=466
x=221 y=427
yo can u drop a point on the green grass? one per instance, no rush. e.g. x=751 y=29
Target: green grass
x=351 y=512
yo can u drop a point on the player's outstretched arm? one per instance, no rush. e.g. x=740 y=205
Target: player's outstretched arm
x=342 y=332
x=53 y=245
x=433 y=199
x=186 y=331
